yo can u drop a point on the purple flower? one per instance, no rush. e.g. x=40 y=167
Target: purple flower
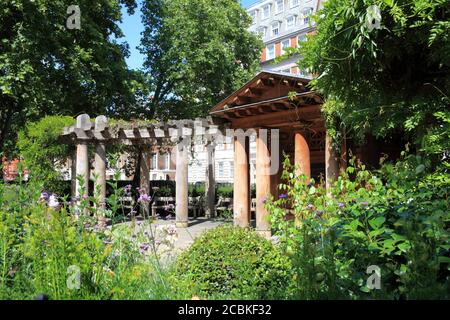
x=44 y=196
x=364 y=203
x=319 y=214
x=144 y=198
x=143 y=248
x=85 y=197
x=341 y=204
x=127 y=188
x=310 y=206
x=283 y=196
x=264 y=200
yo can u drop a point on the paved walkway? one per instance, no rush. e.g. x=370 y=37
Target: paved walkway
x=196 y=228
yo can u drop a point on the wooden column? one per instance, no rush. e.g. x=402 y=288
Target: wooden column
x=100 y=163
x=331 y=162
x=263 y=181
x=82 y=157
x=241 y=191
x=73 y=172
x=144 y=179
x=82 y=170
x=100 y=174
x=210 y=184
x=181 y=210
x=302 y=156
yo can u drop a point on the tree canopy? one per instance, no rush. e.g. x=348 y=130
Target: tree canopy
x=47 y=69
x=388 y=79
x=197 y=52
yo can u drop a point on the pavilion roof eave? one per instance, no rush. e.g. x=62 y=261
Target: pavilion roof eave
x=265 y=74
x=265 y=102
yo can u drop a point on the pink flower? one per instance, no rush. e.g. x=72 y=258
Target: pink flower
x=144 y=198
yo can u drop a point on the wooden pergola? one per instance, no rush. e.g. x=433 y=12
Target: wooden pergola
x=279 y=108
x=280 y=101
x=177 y=133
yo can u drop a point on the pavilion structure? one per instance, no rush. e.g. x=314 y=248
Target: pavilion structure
x=100 y=133
x=270 y=102
x=276 y=101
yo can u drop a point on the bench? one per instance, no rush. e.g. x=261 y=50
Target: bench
x=163 y=203
x=223 y=204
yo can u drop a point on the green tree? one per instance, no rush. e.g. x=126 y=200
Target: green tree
x=42 y=152
x=197 y=52
x=47 y=69
x=395 y=78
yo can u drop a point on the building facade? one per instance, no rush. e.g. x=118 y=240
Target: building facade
x=163 y=165
x=282 y=24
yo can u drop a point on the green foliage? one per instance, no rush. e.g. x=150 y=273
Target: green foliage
x=42 y=152
x=47 y=69
x=234 y=263
x=397 y=218
x=191 y=68
x=196 y=189
x=42 y=247
x=396 y=78
x=224 y=190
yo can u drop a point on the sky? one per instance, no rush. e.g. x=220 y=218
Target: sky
x=132 y=27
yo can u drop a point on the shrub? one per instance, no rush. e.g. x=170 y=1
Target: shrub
x=42 y=249
x=41 y=151
x=232 y=262
x=396 y=218
x=225 y=191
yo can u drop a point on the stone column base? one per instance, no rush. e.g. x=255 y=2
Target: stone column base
x=181 y=224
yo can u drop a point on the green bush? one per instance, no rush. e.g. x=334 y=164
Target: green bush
x=42 y=152
x=397 y=218
x=42 y=247
x=225 y=190
x=196 y=189
x=234 y=263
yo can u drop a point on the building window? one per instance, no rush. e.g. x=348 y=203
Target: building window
x=153 y=163
x=167 y=161
x=290 y=22
x=253 y=16
x=279 y=6
x=294 y=3
x=288 y=70
x=275 y=28
x=262 y=32
x=301 y=38
x=307 y=12
x=271 y=52
x=231 y=169
x=284 y=45
x=221 y=172
x=266 y=11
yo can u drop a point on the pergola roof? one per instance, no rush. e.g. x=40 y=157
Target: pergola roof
x=267 y=92
x=101 y=131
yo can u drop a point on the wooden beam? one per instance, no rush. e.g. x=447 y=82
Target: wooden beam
x=273 y=118
x=253 y=92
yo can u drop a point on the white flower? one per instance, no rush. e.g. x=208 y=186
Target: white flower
x=53 y=202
